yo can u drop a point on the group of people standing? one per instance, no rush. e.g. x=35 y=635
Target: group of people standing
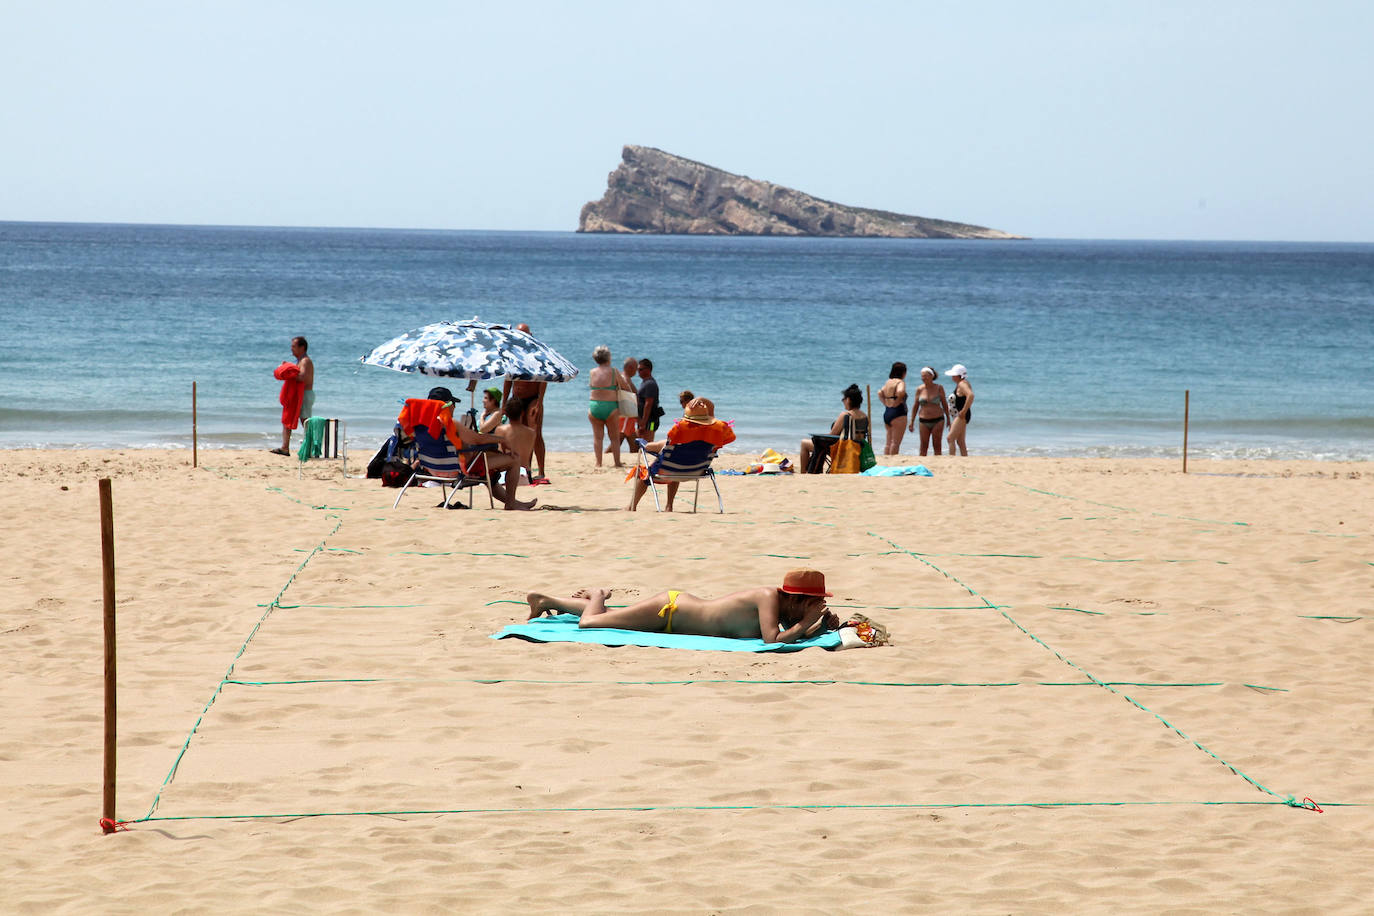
x=618 y=409
x=934 y=409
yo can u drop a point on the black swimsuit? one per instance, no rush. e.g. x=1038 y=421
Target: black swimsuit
x=958 y=402
x=893 y=412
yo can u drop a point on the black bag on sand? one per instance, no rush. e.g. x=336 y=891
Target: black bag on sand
x=396 y=473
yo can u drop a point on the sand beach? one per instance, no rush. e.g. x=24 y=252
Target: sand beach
x=1112 y=688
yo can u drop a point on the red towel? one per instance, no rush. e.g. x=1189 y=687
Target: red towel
x=422 y=412
x=292 y=391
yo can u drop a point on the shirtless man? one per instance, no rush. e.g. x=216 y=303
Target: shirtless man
x=795 y=611
x=532 y=393
x=517 y=442
x=299 y=348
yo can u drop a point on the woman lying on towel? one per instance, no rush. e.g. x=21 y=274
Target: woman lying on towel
x=795 y=611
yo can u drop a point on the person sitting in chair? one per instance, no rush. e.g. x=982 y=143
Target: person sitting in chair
x=698 y=424
x=794 y=611
x=815 y=449
x=515 y=440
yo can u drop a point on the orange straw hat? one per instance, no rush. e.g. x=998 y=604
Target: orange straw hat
x=805 y=582
x=699 y=410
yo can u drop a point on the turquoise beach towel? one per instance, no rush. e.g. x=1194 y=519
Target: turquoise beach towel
x=563 y=628
x=913 y=470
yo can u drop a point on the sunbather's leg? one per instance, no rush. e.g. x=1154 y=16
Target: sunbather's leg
x=541 y=604
x=642 y=615
x=672 y=491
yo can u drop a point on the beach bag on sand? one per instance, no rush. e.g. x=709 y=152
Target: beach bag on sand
x=859 y=632
x=866 y=458
x=396 y=473
x=847 y=456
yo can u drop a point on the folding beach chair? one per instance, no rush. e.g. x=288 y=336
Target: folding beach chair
x=452 y=468
x=327 y=435
x=680 y=463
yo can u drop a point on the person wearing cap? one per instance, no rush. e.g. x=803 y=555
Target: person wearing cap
x=795 y=610
x=932 y=411
x=961 y=406
x=698 y=424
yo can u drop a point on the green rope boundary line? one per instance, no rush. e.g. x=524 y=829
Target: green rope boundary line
x=1185 y=518
x=1306 y=804
x=219 y=688
x=1288 y=800
x=321 y=547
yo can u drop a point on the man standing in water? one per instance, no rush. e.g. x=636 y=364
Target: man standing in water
x=300 y=382
x=532 y=393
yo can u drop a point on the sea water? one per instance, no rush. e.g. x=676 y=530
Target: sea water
x=1073 y=347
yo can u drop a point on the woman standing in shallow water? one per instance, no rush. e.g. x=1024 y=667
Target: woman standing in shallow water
x=961 y=406
x=932 y=411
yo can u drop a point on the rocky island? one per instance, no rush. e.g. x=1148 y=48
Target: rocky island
x=656 y=192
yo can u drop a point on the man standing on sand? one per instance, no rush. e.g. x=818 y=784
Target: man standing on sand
x=298 y=381
x=532 y=393
x=649 y=410
x=629 y=426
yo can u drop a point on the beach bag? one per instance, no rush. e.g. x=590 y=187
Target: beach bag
x=846 y=456
x=396 y=473
x=629 y=404
x=859 y=632
x=866 y=457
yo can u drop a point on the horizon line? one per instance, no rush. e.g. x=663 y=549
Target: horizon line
x=344 y=228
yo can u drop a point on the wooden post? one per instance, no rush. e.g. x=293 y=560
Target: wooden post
x=194 y=456
x=107 y=807
x=1185 y=430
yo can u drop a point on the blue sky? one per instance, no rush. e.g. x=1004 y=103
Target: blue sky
x=1083 y=120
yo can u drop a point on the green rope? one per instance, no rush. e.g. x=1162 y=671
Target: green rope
x=605 y=809
x=1136 y=703
x=347 y=607
x=456 y=553
x=1186 y=518
x=219 y=688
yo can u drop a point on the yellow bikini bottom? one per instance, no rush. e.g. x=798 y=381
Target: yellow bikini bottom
x=666 y=612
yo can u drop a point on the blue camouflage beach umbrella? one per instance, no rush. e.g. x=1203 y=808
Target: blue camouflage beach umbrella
x=472 y=350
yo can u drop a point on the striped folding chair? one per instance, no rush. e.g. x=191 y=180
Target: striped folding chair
x=682 y=462
x=439 y=461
